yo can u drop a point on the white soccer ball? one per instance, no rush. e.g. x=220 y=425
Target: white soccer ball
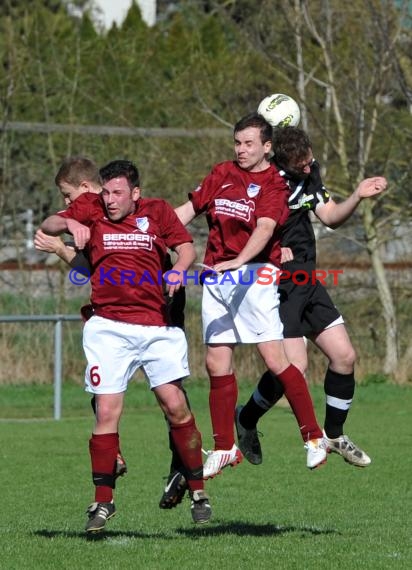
x=280 y=110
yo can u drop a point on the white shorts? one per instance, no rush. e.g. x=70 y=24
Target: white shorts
x=115 y=350
x=338 y=321
x=242 y=306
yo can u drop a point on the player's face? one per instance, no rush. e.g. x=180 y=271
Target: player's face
x=251 y=153
x=70 y=193
x=119 y=199
x=300 y=170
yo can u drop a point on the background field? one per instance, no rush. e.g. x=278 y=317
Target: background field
x=27 y=349
x=277 y=515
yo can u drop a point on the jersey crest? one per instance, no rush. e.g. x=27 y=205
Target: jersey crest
x=253 y=190
x=142 y=224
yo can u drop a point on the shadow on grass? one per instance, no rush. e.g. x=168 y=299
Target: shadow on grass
x=252 y=529
x=214 y=529
x=107 y=534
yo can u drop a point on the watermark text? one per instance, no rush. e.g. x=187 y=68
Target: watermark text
x=261 y=276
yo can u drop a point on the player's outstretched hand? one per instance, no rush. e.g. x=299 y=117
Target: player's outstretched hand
x=372 y=186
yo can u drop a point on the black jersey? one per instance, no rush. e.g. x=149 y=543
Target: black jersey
x=297 y=233
x=305 y=307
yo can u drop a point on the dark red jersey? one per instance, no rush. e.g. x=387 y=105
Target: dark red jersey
x=233 y=199
x=128 y=257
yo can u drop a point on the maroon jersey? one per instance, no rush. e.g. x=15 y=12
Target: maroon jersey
x=127 y=257
x=233 y=199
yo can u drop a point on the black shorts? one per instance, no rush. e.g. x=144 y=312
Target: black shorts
x=305 y=309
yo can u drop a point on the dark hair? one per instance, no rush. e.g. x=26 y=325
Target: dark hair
x=290 y=145
x=255 y=120
x=121 y=168
x=76 y=169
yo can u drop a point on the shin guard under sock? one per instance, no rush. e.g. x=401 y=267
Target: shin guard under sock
x=339 y=390
x=268 y=391
x=297 y=394
x=222 y=402
x=188 y=443
x=103 y=452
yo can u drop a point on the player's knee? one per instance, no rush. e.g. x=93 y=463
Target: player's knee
x=345 y=361
x=178 y=414
x=301 y=365
x=276 y=363
x=107 y=414
x=176 y=409
x=216 y=367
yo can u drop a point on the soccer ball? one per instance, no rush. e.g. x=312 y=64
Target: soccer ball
x=280 y=110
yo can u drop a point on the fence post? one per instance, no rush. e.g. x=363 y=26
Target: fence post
x=58 y=368
x=58 y=359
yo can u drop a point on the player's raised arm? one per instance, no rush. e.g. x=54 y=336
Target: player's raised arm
x=334 y=214
x=56 y=225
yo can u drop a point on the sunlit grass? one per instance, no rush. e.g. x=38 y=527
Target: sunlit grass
x=277 y=515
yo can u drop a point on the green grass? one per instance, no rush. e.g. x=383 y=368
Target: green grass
x=277 y=515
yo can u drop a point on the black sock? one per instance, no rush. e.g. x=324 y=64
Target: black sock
x=268 y=391
x=339 y=390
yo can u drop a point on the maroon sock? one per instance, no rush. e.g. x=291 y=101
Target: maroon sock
x=297 y=394
x=188 y=442
x=103 y=452
x=222 y=402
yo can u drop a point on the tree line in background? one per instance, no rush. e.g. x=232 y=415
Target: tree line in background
x=205 y=64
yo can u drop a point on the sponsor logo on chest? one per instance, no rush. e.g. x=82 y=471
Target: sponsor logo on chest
x=240 y=209
x=127 y=241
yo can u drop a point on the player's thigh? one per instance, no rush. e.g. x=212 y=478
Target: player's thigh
x=320 y=312
x=335 y=343
x=255 y=309
x=217 y=321
x=293 y=300
x=164 y=355
x=257 y=319
x=111 y=356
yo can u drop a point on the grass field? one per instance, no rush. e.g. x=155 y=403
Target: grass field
x=277 y=515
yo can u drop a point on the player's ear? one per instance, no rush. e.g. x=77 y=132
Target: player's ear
x=267 y=147
x=136 y=193
x=86 y=186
